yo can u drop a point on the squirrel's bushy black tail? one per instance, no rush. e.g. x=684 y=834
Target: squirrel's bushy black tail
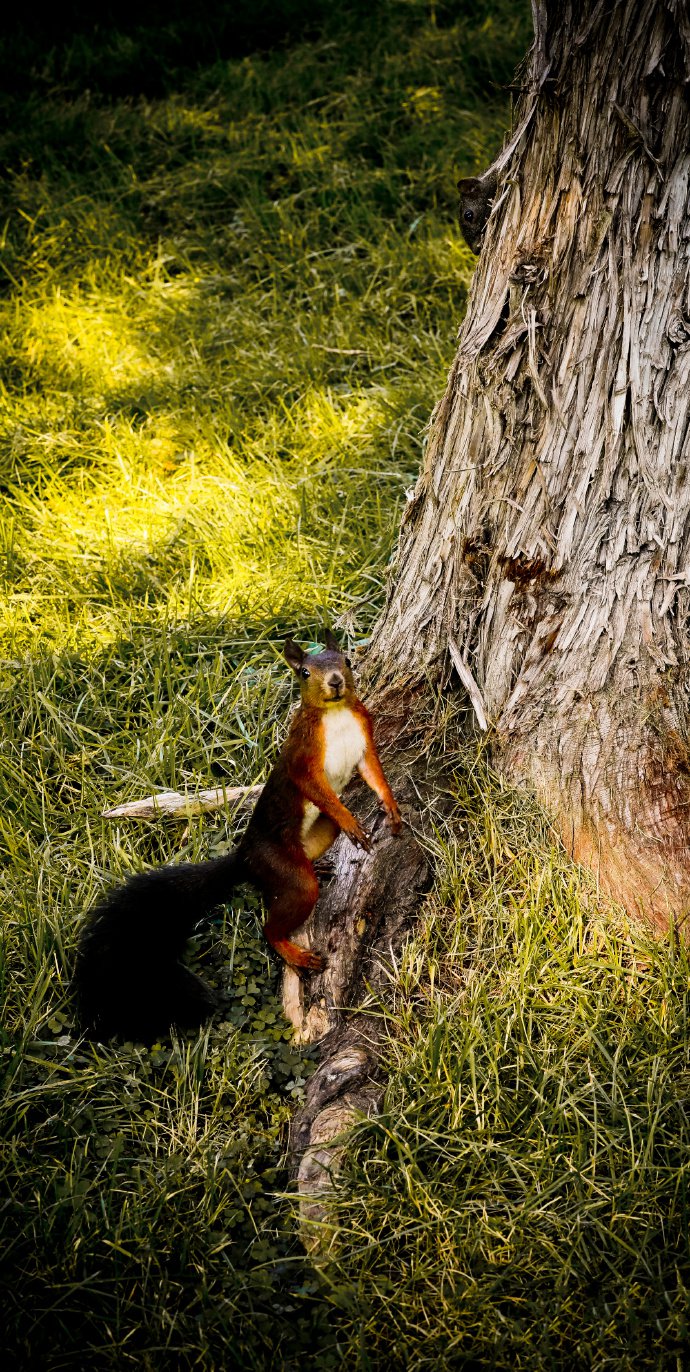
x=128 y=979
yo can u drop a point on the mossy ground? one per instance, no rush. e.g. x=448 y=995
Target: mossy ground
x=229 y=305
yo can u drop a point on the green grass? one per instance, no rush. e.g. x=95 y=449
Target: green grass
x=524 y=1199
x=228 y=308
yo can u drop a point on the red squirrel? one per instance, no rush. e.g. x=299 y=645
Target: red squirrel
x=128 y=977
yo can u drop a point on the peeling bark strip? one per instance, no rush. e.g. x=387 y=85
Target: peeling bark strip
x=549 y=537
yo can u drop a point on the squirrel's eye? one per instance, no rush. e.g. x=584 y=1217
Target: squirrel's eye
x=305 y=672
x=468 y=216
x=347 y=662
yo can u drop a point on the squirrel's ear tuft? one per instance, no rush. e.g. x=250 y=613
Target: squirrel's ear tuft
x=331 y=642
x=294 y=655
x=468 y=184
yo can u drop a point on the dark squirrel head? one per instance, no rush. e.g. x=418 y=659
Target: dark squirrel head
x=325 y=678
x=476 y=198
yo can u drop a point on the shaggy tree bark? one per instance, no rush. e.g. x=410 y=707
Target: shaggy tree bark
x=545 y=555
x=547 y=545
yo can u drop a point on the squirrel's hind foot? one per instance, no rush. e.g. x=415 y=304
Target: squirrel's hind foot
x=299 y=958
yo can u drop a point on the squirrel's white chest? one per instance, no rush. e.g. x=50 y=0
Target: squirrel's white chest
x=344 y=746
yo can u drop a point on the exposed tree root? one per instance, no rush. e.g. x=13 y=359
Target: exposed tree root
x=366 y=907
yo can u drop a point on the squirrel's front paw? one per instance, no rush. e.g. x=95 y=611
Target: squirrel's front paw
x=357 y=834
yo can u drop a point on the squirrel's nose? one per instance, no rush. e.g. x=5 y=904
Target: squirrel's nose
x=336 y=680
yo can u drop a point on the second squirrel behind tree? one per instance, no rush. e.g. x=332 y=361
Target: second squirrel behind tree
x=128 y=977
x=476 y=199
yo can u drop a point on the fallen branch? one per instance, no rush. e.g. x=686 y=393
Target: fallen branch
x=178 y=806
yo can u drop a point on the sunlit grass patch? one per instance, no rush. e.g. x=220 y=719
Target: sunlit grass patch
x=297 y=507
x=81 y=341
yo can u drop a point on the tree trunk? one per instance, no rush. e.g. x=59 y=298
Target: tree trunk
x=545 y=555
x=547 y=545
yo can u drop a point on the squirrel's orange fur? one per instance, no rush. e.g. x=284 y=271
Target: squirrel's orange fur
x=284 y=835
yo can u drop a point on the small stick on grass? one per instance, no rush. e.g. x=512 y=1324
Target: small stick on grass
x=178 y=806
